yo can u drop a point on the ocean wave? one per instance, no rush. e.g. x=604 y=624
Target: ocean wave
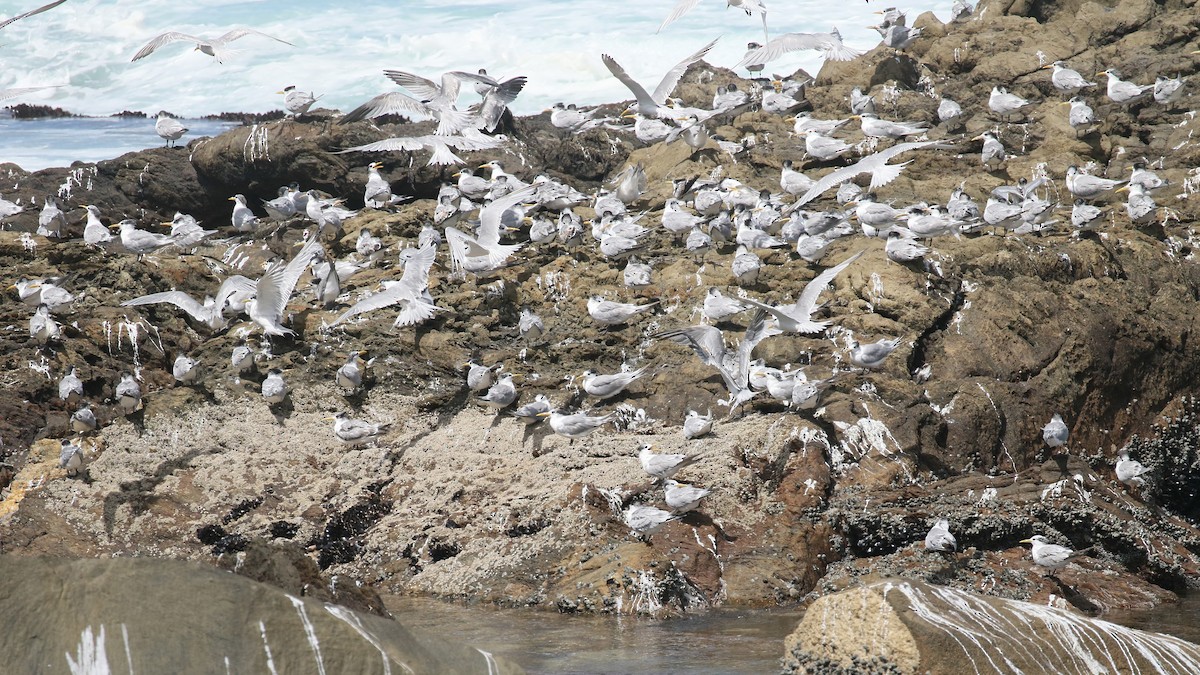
x=341 y=52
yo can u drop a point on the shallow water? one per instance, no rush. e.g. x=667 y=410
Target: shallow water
x=41 y=143
x=719 y=641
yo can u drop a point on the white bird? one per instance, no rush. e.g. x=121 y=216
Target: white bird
x=696 y=425
x=212 y=311
x=939 y=538
x=902 y=249
x=350 y=375
x=274 y=289
x=70 y=457
x=1080 y=116
x=646 y=520
x=1065 y=79
x=83 y=420
x=1139 y=204
x=877 y=165
x=242 y=218
x=748 y=6
x=31 y=12
x=861 y=103
x=949 y=112
x=140 y=241
x=378 y=193
x=797 y=317
x=746 y=266
x=576 y=425
x=479 y=376
x=530 y=325
x=718 y=307
x=654 y=105
x=993 y=149
x=682 y=498
x=51 y=220
x=297 y=102
x=734 y=366
x=355 y=432
x=128 y=393
x=214 y=47
x=168 y=128
x=484 y=252
x=1055 y=432
x=42 y=327
x=94 y=232
x=829 y=44
x=1168 y=89
x=1004 y=104
x=432 y=100
x=881 y=128
x=274 y=389
x=607 y=386
x=185 y=370
x=1087 y=186
x=1130 y=471
x=1122 y=92
x=186 y=232
x=792 y=181
x=663 y=465
x=1051 y=556
x=1085 y=216
x=871 y=356
x=609 y=313
x=531 y=412
x=70 y=387
x=501 y=394
x=409 y=292
x=242 y=358
x=440 y=147
x=806 y=122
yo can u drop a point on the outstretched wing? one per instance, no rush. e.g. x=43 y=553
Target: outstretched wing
x=416 y=269
x=807 y=302
x=178 y=298
x=21 y=91
x=424 y=89
x=832 y=48
x=671 y=79
x=639 y=92
x=389 y=296
x=682 y=7
x=490 y=215
x=391 y=103
x=165 y=38
x=243 y=32
x=31 y=12
x=296 y=267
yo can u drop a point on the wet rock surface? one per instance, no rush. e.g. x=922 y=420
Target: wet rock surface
x=904 y=626
x=456 y=502
x=124 y=615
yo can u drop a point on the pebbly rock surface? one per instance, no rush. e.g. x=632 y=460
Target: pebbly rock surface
x=903 y=626
x=99 y=616
x=998 y=332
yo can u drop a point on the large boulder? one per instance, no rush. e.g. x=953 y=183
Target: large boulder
x=902 y=626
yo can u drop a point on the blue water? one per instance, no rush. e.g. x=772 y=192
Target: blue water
x=42 y=143
x=341 y=48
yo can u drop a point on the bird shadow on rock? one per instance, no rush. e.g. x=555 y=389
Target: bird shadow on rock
x=355 y=398
x=698 y=519
x=1077 y=599
x=138 y=494
x=537 y=433
x=282 y=410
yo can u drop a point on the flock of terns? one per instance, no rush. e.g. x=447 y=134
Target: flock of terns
x=704 y=214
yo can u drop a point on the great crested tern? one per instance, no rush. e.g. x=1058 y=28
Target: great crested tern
x=655 y=105
x=1050 y=556
x=31 y=12
x=797 y=317
x=297 y=102
x=750 y=7
x=409 y=292
x=877 y=165
x=355 y=432
x=939 y=538
x=696 y=425
x=1130 y=471
x=682 y=498
x=212 y=311
x=645 y=520
x=70 y=457
x=274 y=388
x=829 y=44
x=168 y=128
x=273 y=290
x=484 y=252
x=734 y=366
x=214 y=47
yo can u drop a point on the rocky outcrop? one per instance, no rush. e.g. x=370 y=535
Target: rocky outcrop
x=163 y=616
x=997 y=334
x=903 y=626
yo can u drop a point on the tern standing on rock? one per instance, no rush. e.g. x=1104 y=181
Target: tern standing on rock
x=168 y=128
x=1055 y=432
